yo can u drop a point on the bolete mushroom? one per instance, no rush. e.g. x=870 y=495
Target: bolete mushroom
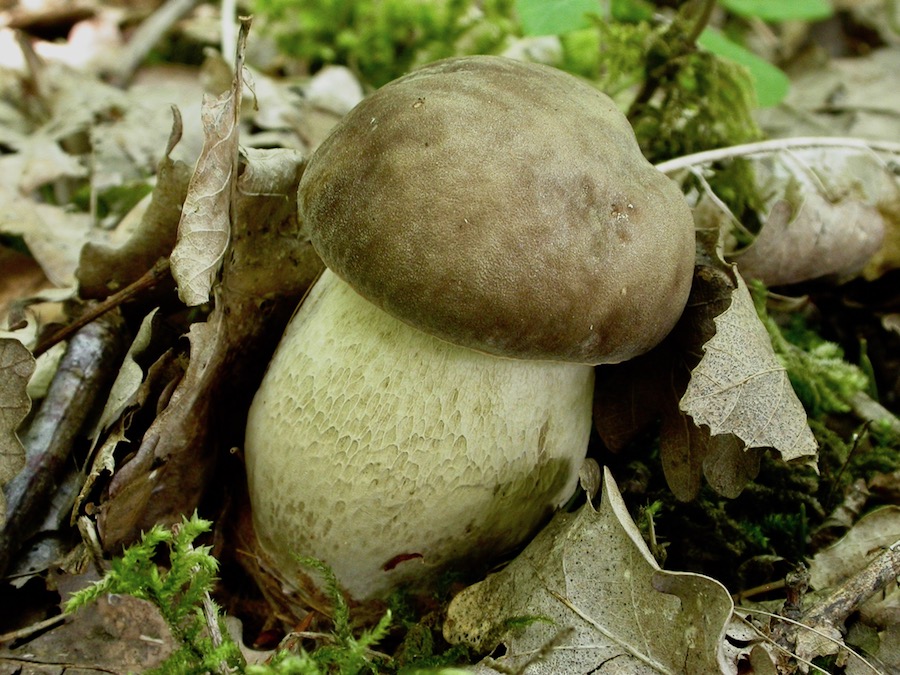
x=492 y=231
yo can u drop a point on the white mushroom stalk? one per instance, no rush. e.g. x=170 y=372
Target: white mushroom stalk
x=393 y=455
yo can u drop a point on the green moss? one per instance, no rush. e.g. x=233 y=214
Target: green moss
x=383 y=39
x=178 y=592
x=824 y=381
x=608 y=53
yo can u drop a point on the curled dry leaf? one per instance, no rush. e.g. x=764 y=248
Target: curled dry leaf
x=205 y=225
x=104 y=269
x=719 y=413
x=205 y=220
x=128 y=380
x=269 y=266
x=829 y=212
x=740 y=388
x=830 y=207
x=587 y=596
x=16 y=366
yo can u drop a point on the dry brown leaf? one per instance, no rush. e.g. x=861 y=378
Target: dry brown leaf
x=589 y=597
x=166 y=477
x=630 y=396
x=830 y=207
x=863 y=542
x=830 y=210
x=21 y=277
x=682 y=449
x=728 y=464
x=856 y=579
x=103 y=269
x=54 y=235
x=812 y=239
x=55 y=240
x=845 y=97
x=740 y=388
x=117 y=634
x=176 y=86
x=206 y=217
x=160 y=380
x=269 y=266
x=719 y=413
x=128 y=380
x=40 y=160
x=16 y=366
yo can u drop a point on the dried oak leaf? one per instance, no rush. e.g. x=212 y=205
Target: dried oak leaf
x=829 y=212
x=740 y=388
x=206 y=217
x=269 y=265
x=587 y=596
x=714 y=380
x=104 y=269
x=16 y=366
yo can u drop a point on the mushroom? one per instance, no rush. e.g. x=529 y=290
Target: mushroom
x=492 y=232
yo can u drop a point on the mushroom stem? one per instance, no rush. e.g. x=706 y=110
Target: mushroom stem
x=391 y=455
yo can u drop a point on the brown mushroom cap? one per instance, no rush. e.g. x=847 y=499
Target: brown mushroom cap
x=506 y=207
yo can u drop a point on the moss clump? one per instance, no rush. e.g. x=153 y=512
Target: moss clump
x=383 y=39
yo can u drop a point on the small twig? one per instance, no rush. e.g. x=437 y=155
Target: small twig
x=778 y=144
x=92 y=543
x=758 y=590
x=147 y=35
x=803 y=626
x=869 y=410
x=666 y=70
x=28 y=631
x=211 y=617
x=847 y=598
x=775 y=644
x=57 y=666
x=212 y=624
x=154 y=276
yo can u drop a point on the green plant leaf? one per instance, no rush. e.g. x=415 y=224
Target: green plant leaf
x=555 y=17
x=779 y=10
x=631 y=11
x=769 y=82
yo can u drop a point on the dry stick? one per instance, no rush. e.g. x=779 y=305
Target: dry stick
x=156 y=274
x=800 y=626
x=28 y=631
x=847 y=598
x=671 y=65
x=774 y=145
x=842 y=602
x=147 y=35
x=91 y=360
x=868 y=409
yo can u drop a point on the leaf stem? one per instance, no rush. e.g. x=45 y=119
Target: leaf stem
x=664 y=57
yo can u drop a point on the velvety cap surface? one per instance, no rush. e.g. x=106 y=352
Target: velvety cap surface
x=506 y=207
